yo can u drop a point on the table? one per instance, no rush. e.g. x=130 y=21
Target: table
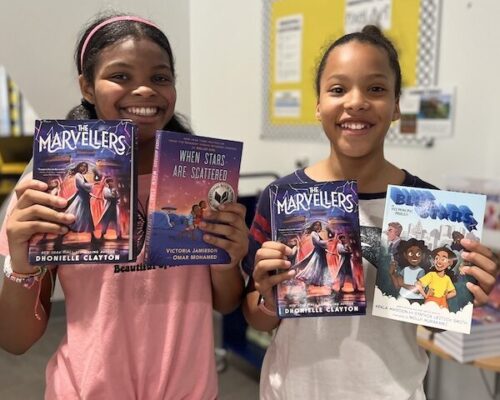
x=489 y=364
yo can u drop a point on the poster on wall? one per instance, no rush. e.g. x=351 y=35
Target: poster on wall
x=491 y=188
x=295 y=34
x=288 y=62
x=427 y=112
x=359 y=13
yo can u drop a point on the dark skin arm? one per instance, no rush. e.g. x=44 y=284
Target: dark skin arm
x=35 y=212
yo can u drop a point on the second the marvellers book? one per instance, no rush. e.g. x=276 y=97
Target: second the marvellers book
x=91 y=163
x=320 y=222
x=420 y=278
x=190 y=173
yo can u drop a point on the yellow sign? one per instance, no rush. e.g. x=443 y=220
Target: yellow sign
x=301 y=30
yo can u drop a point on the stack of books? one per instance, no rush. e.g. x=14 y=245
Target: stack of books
x=484 y=338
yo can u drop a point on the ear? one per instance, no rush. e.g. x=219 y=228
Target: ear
x=318 y=113
x=397 y=112
x=86 y=89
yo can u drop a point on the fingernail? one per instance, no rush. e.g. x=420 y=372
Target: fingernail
x=291 y=272
x=469 y=285
x=222 y=207
x=465 y=254
x=64 y=230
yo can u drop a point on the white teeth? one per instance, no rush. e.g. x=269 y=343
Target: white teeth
x=142 y=111
x=354 y=126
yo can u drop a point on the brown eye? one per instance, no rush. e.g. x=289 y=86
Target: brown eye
x=337 y=90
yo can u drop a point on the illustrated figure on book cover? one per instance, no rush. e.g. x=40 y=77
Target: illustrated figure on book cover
x=413 y=256
x=91 y=164
x=422 y=281
x=111 y=214
x=190 y=173
x=79 y=204
x=319 y=222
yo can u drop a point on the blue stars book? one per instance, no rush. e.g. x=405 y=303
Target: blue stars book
x=320 y=223
x=190 y=173
x=91 y=163
x=421 y=276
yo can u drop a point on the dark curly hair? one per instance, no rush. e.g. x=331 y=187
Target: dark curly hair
x=106 y=36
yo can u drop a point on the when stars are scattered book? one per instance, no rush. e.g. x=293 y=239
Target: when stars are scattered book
x=190 y=173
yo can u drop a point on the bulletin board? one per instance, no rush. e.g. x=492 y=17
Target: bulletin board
x=296 y=32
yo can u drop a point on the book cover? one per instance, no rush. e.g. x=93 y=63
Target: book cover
x=490 y=188
x=91 y=163
x=190 y=173
x=320 y=222
x=420 y=278
x=486 y=319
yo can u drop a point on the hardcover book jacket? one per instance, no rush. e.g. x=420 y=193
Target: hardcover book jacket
x=420 y=277
x=320 y=223
x=91 y=164
x=190 y=173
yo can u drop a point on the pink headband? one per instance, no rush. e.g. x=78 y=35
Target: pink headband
x=107 y=22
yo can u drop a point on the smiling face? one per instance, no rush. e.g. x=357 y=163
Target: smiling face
x=357 y=100
x=414 y=255
x=133 y=80
x=442 y=261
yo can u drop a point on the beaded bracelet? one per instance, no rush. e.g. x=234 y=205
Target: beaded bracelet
x=27 y=280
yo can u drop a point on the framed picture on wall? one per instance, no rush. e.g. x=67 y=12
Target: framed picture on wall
x=296 y=32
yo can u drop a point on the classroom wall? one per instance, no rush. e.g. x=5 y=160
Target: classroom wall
x=227 y=95
x=37 y=41
x=217 y=45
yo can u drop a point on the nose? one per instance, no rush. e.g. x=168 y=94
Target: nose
x=356 y=100
x=144 y=90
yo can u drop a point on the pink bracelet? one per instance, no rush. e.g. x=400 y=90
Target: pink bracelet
x=27 y=280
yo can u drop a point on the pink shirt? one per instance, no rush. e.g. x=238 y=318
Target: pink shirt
x=137 y=334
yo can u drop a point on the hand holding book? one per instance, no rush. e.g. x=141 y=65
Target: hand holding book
x=36 y=212
x=226 y=229
x=270 y=258
x=484 y=268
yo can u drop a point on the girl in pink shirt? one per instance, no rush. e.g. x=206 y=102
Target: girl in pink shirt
x=133 y=332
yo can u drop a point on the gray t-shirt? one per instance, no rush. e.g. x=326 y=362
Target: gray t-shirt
x=356 y=357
